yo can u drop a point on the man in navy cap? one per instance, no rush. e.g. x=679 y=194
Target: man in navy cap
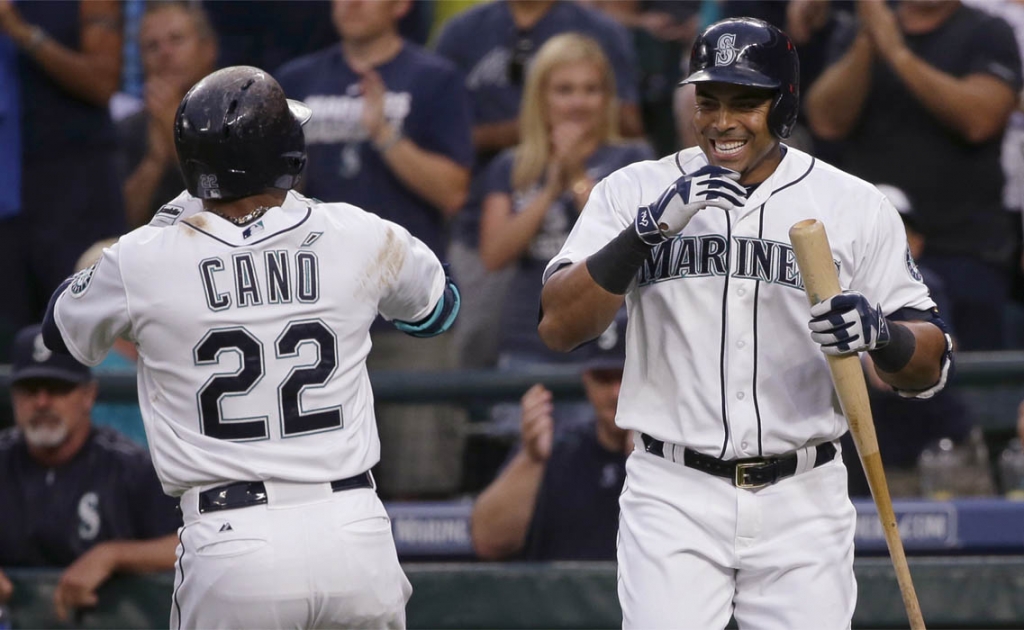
x=558 y=496
x=73 y=495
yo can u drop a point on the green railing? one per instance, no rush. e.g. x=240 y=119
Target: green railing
x=973 y=369
x=963 y=592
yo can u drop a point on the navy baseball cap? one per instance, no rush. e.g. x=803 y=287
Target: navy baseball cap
x=608 y=351
x=32 y=359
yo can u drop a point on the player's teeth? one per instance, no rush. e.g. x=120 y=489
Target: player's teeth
x=727 y=147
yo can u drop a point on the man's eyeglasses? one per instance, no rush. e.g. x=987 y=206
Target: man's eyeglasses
x=517 y=61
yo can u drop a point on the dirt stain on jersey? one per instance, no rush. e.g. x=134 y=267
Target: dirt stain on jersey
x=197 y=221
x=384 y=270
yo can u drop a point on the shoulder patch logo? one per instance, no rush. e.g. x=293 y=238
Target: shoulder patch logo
x=725 y=49
x=81 y=281
x=912 y=269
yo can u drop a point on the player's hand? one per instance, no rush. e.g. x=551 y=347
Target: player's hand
x=78 y=584
x=6 y=588
x=847 y=323
x=709 y=186
x=538 y=424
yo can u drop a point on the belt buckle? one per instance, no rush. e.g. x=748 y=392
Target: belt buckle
x=739 y=478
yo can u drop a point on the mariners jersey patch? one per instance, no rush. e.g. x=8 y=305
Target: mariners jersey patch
x=80 y=283
x=912 y=269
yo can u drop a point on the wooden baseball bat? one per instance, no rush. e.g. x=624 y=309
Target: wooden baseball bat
x=814 y=259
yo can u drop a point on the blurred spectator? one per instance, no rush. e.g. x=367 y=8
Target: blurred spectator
x=1013 y=169
x=558 y=496
x=922 y=95
x=178 y=48
x=662 y=33
x=72 y=495
x=270 y=33
x=69 y=66
x=492 y=44
x=390 y=127
x=534 y=191
x=907 y=427
x=125 y=417
x=390 y=133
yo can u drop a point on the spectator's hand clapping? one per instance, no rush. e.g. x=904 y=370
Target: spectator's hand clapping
x=538 y=425
x=806 y=17
x=162 y=99
x=374 y=92
x=78 y=584
x=6 y=588
x=883 y=27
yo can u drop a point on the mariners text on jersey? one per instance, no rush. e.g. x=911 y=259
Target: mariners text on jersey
x=709 y=255
x=249 y=279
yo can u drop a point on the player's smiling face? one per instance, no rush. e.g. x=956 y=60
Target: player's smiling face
x=731 y=122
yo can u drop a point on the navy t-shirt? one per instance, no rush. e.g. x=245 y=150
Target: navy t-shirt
x=51 y=516
x=956 y=185
x=480 y=42
x=576 y=516
x=425 y=98
x=519 y=317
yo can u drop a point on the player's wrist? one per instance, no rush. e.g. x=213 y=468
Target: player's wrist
x=897 y=352
x=614 y=266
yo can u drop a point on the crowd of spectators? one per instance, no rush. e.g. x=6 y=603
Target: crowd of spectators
x=482 y=131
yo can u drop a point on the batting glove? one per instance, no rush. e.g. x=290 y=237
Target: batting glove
x=847 y=323
x=666 y=217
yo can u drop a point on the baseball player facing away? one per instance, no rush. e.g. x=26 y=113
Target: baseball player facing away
x=735 y=499
x=251 y=320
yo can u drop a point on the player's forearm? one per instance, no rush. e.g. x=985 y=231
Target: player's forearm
x=505 y=235
x=924 y=367
x=492 y=137
x=835 y=101
x=575 y=308
x=976 y=107
x=434 y=177
x=502 y=514
x=144 y=556
x=139 y=189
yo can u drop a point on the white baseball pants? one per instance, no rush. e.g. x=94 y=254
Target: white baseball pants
x=693 y=549
x=309 y=558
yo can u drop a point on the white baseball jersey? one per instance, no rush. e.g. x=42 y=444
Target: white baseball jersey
x=252 y=340
x=719 y=356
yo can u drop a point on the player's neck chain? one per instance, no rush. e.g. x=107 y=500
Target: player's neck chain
x=246 y=218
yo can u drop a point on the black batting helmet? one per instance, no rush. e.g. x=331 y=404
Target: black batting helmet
x=237 y=135
x=746 y=51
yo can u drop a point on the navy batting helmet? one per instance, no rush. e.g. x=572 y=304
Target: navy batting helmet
x=746 y=51
x=237 y=135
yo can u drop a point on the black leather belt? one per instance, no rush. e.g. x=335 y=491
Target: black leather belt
x=247 y=493
x=750 y=472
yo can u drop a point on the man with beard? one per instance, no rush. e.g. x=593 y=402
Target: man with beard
x=73 y=495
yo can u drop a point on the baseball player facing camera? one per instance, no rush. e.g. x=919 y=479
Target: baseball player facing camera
x=251 y=307
x=735 y=501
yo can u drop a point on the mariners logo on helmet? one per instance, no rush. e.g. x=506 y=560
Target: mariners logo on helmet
x=725 y=49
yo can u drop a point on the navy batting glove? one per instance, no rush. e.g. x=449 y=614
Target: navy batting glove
x=709 y=186
x=847 y=323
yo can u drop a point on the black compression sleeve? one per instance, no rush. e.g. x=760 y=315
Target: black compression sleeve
x=613 y=266
x=897 y=353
